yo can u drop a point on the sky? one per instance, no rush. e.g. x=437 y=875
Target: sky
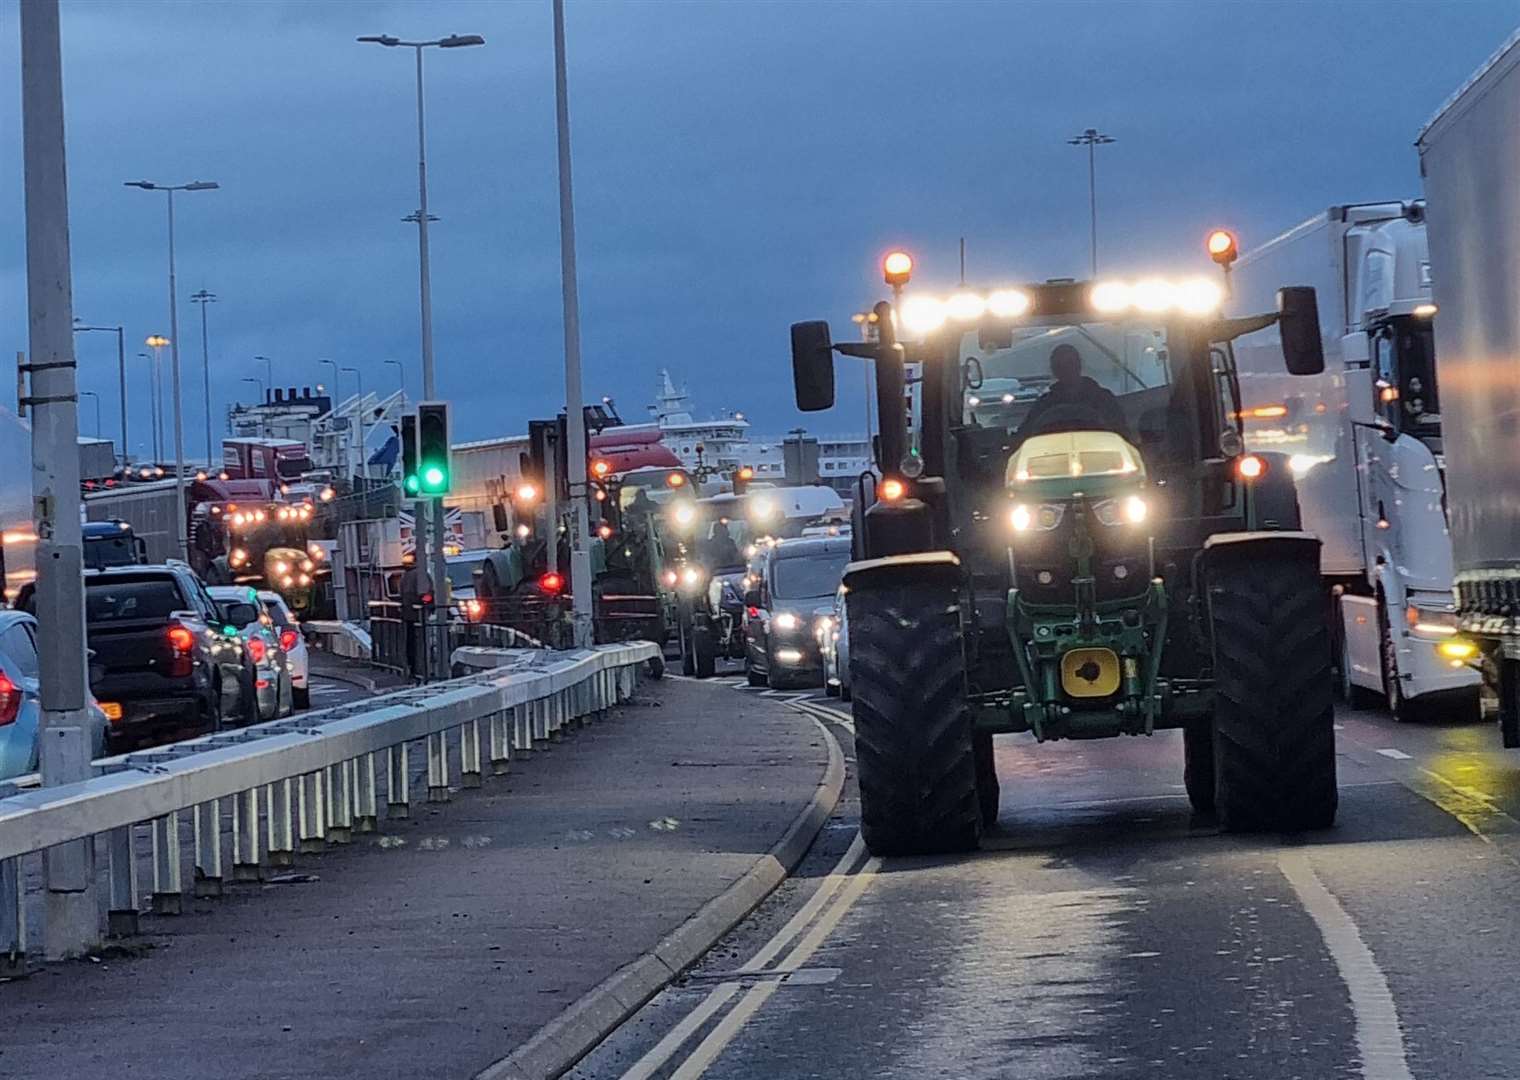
x=737 y=167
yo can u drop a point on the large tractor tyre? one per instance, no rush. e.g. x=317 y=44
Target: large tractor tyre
x=1198 y=765
x=1273 y=732
x=988 y=793
x=914 y=747
x=704 y=649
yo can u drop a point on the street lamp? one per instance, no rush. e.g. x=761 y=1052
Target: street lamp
x=359 y=413
x=268 y=373
x=156 y=342
x=179 y=431
x=203 y=298
x=1092 y=138
x=93 y=394
x=121 y=374
x=425 y=289
x=260 y=384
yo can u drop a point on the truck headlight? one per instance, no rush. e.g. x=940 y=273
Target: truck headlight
x=1457 y=651
x=1430 y=622
x=1041 y=518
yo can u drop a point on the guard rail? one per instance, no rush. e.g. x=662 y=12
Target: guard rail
x=296 y=784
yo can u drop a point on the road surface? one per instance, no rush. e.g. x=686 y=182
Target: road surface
x=1107 y=932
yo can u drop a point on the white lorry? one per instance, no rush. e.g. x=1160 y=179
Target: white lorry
x=1364 y=442
x=1468 y=156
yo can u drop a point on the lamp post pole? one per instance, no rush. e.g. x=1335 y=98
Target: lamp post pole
x=179 y=428
x=400 y=375
x=425 y=296
x=204 y=298
x=359 y=415
x=1092 y=138
x=121 y=376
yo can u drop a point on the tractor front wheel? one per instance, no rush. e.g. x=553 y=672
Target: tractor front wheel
x=1273 y=730
x=914 y=745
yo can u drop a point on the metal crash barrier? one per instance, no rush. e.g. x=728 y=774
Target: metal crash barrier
x=295 y=785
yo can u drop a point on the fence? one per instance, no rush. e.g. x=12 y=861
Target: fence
x=293 y=785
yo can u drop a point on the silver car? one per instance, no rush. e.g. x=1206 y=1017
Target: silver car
x=273 y=687
x=20 y=705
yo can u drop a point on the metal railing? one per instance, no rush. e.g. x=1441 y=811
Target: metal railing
x=296 y=784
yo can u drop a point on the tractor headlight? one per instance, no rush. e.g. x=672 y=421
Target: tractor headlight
x=1129 y=510
x=1041 y=518
x=691 y=577
x=785 y=621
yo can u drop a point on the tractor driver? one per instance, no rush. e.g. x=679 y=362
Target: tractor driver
x=1073 y=403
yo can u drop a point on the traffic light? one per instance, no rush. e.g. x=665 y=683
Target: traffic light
x=742 y=476
x=432 y=448
x=410 y=483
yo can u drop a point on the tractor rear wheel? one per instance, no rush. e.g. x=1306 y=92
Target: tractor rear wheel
x=1273 y=730
x=914 y=746
x=1198 y=765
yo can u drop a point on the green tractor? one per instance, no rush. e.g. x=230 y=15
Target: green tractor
x=1077 y=558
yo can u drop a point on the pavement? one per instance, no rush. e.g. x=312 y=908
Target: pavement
x=443 y=943
x=1106 y=931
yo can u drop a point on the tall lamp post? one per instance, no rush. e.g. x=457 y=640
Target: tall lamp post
x=400 y=375
x=204 y=298
x=121 y=376
x=152 y=402
x=429 y=385
x=359 y=415
x=179 y=428
x=1092 y=138
x=156 y=342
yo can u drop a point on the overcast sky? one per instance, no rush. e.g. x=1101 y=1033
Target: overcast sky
x=738 y=166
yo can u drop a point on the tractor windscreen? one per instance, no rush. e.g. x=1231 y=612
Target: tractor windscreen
x=1061 y=375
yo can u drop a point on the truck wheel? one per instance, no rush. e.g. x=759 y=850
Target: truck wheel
x=988 y=792
x=914 y=746
x=1198 y=765
x=1273 y=730
x=688 y=661
x=705 y=650
x=1399 y=707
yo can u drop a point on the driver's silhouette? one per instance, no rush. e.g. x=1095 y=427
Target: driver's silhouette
x=1074 y=401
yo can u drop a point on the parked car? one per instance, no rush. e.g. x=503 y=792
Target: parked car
x=834 y=642
x=20 y=704
x=272 y=681
x=167 y=664
x=783 y=606
x=293 y=641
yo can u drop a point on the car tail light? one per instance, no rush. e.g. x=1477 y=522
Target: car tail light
x=181 y=640
x=752 y=612
x=181 y=644
x=256 y=649
x=288 y=639
x=551 y=583
x=10 y=700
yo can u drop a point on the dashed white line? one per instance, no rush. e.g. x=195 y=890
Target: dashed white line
x=1397 y=755
x=1379 y=1038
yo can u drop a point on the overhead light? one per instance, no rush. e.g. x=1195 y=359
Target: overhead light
x=1008 y=303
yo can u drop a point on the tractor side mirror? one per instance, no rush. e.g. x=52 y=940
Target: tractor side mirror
x=1298 y=322
x=813 y=365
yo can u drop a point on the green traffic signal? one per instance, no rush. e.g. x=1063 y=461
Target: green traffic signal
x=413 y=485
x=434 y=479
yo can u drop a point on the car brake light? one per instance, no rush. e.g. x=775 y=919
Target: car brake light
x=752 y=612
x=288 y=639
x=551 y=583
x=180 y=639
x=256 y=649
x=10 y=700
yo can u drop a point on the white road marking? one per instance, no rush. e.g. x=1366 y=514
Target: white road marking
x=1397 y=755
x=1379 y=1038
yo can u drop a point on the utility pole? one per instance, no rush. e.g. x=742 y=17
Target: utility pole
x=575 y=415
x=1092 y=138
x=203 y=298
x=72 y=909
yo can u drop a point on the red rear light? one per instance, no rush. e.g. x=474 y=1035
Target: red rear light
x=10 y=700
x=288 y=639
x=180 y=639
x=752 y=612
x=257 y=649
x=551 y=583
